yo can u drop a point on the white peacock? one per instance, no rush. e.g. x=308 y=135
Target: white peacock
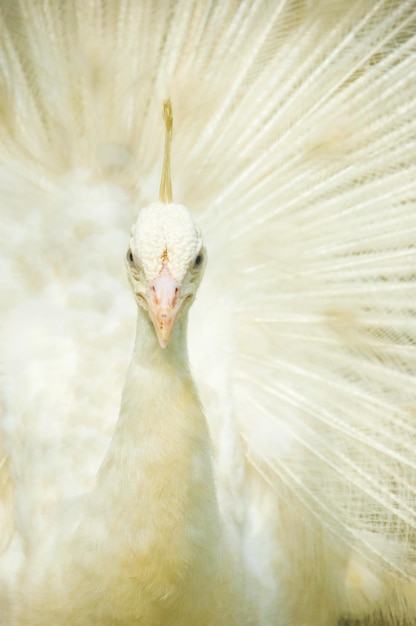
x=268 y=478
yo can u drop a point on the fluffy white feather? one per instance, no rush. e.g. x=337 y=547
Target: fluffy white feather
x=160 y=227
x=294 y=148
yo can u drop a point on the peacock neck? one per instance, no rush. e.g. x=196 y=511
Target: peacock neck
x=163 y=519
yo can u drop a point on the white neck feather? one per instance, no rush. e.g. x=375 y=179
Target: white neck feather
x=158 y=468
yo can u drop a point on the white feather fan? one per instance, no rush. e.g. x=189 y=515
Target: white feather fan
x=294 y=149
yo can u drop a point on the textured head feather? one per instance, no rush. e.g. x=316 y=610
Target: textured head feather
x=165 y=233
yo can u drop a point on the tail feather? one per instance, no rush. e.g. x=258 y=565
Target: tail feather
x=294 y=143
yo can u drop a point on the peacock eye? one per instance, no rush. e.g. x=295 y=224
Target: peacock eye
x=198 y=260
x=130 y=257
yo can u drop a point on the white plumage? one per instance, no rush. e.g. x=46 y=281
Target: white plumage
x=294 y=151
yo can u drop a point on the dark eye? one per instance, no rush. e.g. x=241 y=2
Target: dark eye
x=198 y=259
x=130 y=257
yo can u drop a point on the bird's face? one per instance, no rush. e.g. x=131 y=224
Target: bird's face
x=165 y=262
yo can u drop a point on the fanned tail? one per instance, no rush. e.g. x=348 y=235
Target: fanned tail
x=295 y=135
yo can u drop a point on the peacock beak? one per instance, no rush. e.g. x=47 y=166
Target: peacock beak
x=164 y=304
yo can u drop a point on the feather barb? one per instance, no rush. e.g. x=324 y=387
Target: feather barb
x=165 y=190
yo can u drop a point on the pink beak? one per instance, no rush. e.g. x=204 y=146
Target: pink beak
x=164 y=304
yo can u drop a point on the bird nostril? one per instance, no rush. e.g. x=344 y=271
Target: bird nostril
x=175 y=296
x=154 y=294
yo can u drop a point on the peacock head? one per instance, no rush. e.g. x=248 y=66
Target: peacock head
x=165 y=262
x=166 y=257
